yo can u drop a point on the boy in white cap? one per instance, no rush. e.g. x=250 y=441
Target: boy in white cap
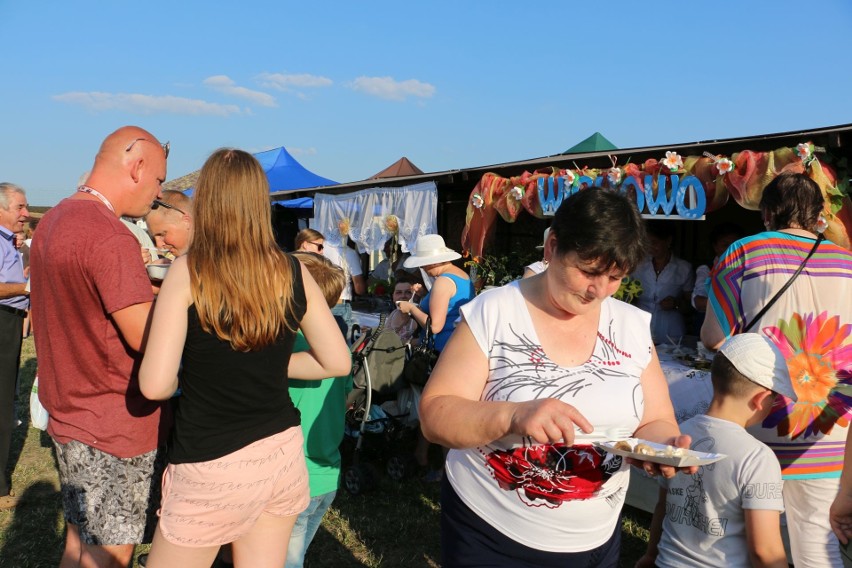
x=728 y=514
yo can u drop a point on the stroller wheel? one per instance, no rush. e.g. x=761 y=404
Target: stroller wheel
x=358 y=479
x=400 y=467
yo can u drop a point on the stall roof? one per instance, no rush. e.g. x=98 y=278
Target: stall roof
x=834 y=137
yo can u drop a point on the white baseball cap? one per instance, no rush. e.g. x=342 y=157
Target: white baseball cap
x=760 y=361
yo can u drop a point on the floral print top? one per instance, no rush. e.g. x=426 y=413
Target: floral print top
x=812 y=325
x=552 y=497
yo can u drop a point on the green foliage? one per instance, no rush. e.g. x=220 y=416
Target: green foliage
x=498 y=270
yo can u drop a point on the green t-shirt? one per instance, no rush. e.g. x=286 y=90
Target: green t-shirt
x=322 y=405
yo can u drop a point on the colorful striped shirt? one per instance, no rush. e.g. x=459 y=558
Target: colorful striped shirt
x=811 y=323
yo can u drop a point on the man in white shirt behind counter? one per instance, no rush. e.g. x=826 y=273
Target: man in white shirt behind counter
x=346 y=258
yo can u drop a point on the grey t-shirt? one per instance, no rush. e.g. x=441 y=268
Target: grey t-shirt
x=705 y=520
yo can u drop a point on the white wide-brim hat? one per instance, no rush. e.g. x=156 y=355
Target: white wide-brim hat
x=544 y=240
x=760 y=361
x=430 y=249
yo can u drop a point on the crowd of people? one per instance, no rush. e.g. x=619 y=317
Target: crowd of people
x=206 y=409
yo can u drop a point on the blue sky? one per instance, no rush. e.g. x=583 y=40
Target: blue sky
x=349 y=87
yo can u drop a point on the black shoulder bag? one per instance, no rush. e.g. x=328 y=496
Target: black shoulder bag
x=422 y=358
x=783 y=289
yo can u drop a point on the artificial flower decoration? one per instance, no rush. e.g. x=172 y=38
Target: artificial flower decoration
x=822 y=224
x=805 y=151
x=569 y=177
x=517 y=192
x=392 y=224
x=673 y=161
x=477 y=201
x=343 y=226
x=614 y=175
x=724 y=165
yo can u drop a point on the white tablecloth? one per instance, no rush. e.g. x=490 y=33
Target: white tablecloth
x=690 y=389
x=365 y=320
x=691 y=392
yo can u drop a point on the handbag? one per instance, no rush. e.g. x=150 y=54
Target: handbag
x=421 y=359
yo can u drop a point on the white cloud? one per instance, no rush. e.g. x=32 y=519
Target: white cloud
x=224 y=85
x=284 y=82
x=146 y=104
x=302 y=151
x=391 y=89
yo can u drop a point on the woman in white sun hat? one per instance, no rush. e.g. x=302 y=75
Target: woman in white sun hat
x=451 y=289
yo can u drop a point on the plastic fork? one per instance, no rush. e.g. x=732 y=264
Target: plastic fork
x=614 y=433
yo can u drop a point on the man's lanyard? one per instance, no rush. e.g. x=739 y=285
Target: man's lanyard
x=98 y=194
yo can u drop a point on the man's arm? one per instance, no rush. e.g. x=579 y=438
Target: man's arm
x=359 y=285
x=133 y=323
x=10 y=290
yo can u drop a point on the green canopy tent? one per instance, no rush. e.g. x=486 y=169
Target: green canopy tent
x=594 y=143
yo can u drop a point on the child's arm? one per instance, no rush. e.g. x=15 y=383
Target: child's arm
x=650 y=557
x=763 y=532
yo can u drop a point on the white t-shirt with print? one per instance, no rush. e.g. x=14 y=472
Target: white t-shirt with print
x=705 y=519
x=552 y=497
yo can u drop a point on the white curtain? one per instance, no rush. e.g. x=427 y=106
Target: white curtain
x=366 y=213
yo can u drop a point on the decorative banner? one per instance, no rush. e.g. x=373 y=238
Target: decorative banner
x=674 y=187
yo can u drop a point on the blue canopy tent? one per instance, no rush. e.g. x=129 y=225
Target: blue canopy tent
x=285 y=173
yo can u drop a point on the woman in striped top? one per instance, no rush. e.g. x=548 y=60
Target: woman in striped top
x=811 y=323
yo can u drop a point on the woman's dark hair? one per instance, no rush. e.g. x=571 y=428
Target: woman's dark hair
x=601 y=225
x=792 y=200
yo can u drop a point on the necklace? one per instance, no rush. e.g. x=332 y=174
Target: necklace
x=98 y=194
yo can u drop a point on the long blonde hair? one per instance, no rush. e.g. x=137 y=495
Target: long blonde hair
x=241 y=282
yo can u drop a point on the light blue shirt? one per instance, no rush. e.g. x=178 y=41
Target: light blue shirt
x=11 y=269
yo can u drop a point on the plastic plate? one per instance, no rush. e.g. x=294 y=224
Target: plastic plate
x=687 y=459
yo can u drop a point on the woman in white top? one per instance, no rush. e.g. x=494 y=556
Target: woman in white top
x=667 y=283
x=530 y=364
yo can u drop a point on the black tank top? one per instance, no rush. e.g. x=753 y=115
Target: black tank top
x=231 y=399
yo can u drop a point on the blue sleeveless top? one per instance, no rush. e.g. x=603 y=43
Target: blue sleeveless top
x=464 y=294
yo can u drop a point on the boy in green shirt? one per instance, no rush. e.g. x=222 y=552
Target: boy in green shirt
x=322 y=405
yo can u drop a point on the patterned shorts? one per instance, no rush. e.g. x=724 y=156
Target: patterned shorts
x=219 y=501
x=111 y=500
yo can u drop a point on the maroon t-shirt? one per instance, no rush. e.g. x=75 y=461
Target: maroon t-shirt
x=86 y=265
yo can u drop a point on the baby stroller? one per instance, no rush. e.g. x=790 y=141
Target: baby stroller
x=381 y=411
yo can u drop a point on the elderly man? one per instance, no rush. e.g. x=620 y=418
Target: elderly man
x=14 y=302
x=170 y=222
x=91 y=305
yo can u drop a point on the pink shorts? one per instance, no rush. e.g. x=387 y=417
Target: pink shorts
x=216 y=502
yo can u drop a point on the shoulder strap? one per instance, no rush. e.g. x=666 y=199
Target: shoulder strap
x=783 y=289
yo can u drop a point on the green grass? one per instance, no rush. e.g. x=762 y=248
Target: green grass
x=394 y=525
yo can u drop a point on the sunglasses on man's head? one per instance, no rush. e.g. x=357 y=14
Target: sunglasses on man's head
x=165 y=146
x=157 y=204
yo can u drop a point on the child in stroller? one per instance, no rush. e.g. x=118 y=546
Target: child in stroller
x=381 y=416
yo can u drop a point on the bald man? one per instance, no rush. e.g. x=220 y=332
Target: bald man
x=91 y=301
x=170 y=222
